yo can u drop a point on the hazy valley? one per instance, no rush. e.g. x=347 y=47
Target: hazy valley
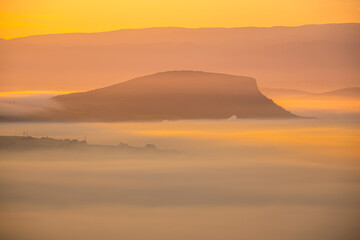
x=175 y=133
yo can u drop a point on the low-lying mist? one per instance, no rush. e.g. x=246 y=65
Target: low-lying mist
x=25 y=105
x=248 y=179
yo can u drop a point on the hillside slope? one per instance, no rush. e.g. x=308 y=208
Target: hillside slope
x=170 y=96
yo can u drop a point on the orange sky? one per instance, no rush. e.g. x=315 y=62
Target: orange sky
x=30 y=17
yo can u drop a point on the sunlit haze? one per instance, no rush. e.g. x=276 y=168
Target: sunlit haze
x=179 y=119
x=20 y=18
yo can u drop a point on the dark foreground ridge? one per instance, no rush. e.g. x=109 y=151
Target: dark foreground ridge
x=24 y=143
x=173 y=95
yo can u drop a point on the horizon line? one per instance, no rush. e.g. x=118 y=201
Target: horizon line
x=194 y=28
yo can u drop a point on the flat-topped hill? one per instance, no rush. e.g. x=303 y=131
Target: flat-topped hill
x=172 y=95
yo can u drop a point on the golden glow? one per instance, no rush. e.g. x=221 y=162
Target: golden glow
x=344 y=105
x=307 y=135
x=325 y=137
x=30 y=17
x=31 y=93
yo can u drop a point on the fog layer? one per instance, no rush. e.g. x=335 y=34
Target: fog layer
x=242 y=179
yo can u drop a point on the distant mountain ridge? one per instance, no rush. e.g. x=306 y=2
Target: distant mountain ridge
x=349 y=92
x=306 y=57
x=345 y=92
x=159 y=34
x=173 y=95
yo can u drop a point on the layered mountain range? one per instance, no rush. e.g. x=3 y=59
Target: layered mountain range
x=313 y=57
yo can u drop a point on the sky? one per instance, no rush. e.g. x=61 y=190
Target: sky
x=20 y=18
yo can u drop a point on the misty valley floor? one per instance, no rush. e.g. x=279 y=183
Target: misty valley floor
x=244 y=179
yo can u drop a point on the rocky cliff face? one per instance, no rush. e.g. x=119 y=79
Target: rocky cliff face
x=172 y=95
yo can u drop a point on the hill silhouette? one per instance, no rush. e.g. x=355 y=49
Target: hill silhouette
x=172 y=95
x=350 y=92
